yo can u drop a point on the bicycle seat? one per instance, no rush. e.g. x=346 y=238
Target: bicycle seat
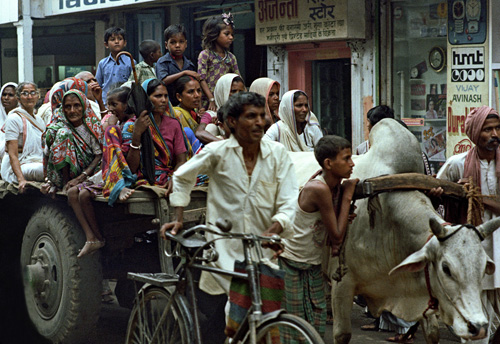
x=194 y=241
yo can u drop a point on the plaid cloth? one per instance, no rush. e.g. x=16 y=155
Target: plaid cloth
x=271 y=292
x=304 y=294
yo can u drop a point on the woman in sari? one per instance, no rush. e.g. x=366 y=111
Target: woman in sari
x=269 y=89
x=188 y=92
x=23 y=131
x=9 y=102
x=122 y=148
x=72 y=154
x=297 y=128
x=48 y=110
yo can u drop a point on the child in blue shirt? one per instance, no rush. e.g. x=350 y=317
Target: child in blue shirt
x=110 y=74
x=174 y=64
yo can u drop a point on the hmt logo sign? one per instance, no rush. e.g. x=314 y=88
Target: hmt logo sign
x=467 y=65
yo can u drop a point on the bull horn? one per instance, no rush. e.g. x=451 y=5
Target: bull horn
x=438 y=230
x=489 y=227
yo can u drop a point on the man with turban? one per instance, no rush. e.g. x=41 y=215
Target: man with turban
x=482 y=163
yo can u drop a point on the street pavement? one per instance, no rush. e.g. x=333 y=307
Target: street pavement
x=113 y=325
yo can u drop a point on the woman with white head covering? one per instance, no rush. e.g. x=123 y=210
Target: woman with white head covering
x=270 y=89
x=297 y=129
x=226 y=86
x=8 y=103
x=23 y=135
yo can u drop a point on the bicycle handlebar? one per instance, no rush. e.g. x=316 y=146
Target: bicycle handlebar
x=225 y=226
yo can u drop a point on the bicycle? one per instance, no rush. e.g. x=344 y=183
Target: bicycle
x=165 y=310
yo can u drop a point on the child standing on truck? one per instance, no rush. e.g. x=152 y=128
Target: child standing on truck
x=109 y=73
x=322 y=211
x=174 y=63
x=216 y=59
x=150 y=51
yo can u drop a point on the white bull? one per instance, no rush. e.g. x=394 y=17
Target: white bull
x=398 y=241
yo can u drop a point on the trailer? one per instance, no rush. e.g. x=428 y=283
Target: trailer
x=63 y=292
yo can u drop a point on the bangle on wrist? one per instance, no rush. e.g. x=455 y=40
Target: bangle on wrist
x=135 y=147
x=85 y=174
x=104 y=111
x=211 y=100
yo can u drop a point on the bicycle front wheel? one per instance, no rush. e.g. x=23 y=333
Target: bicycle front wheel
x=289 y=329
x=151 y=322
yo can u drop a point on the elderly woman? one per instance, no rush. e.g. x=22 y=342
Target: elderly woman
x=297 y=128
x=270 y=89
x=73 y=153
x=122 y=148
x=7 y=104
x=48 y=110
x=23 y=131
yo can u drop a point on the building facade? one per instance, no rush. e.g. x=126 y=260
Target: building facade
x=431 y=60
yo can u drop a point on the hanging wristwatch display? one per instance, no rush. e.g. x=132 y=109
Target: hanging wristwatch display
x=437 y=58
x=473 y=13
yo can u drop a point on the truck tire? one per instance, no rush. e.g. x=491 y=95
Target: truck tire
x=62 y=292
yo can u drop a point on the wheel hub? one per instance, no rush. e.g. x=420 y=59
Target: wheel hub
x=43 y=276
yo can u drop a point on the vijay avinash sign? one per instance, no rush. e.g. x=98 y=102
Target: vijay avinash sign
x=56 y=7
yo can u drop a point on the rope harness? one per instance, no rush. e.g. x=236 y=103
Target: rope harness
x=475 y=212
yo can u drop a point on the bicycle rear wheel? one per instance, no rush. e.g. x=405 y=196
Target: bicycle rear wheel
x=287 y=328
x=147 y=316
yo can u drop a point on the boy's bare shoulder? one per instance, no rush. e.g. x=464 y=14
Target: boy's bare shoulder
x=316 y=188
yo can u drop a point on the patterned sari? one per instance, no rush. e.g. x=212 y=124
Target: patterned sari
x=64 y=146
x=115 y=170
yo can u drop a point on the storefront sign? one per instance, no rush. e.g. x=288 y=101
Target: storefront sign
x=56 y=7
x=467 y=89
x=296 y=21
x=467 y=64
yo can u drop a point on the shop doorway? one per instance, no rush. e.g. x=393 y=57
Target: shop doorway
x=331 y=95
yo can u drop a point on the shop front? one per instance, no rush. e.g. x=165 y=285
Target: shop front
x=311 y=47
x=443 y=67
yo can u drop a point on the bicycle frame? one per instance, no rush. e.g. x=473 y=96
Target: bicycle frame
x=253 y=317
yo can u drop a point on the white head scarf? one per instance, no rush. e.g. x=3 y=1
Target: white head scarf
x=288 y=126
x=223 y=88
x=263 y=86
x=3 y=112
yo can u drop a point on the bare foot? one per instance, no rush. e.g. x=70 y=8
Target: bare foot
x=45 y=188
x=90 y=247
x=125 y=194
x=52 y=191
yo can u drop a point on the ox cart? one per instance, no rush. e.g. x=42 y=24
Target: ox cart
x=63 y=292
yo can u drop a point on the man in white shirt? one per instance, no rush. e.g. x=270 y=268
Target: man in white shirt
x=252 y=184
x=482 y=163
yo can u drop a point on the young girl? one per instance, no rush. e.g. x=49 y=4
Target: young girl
x=118 y=121
x=216 y=59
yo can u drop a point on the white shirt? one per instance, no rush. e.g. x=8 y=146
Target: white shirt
x=453 y=170
x=251 y=203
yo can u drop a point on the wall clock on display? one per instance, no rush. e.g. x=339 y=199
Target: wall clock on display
x=437 y=58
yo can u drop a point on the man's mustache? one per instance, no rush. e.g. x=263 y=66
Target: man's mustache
x=493 y=140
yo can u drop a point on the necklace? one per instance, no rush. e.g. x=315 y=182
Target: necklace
x=222 y=58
